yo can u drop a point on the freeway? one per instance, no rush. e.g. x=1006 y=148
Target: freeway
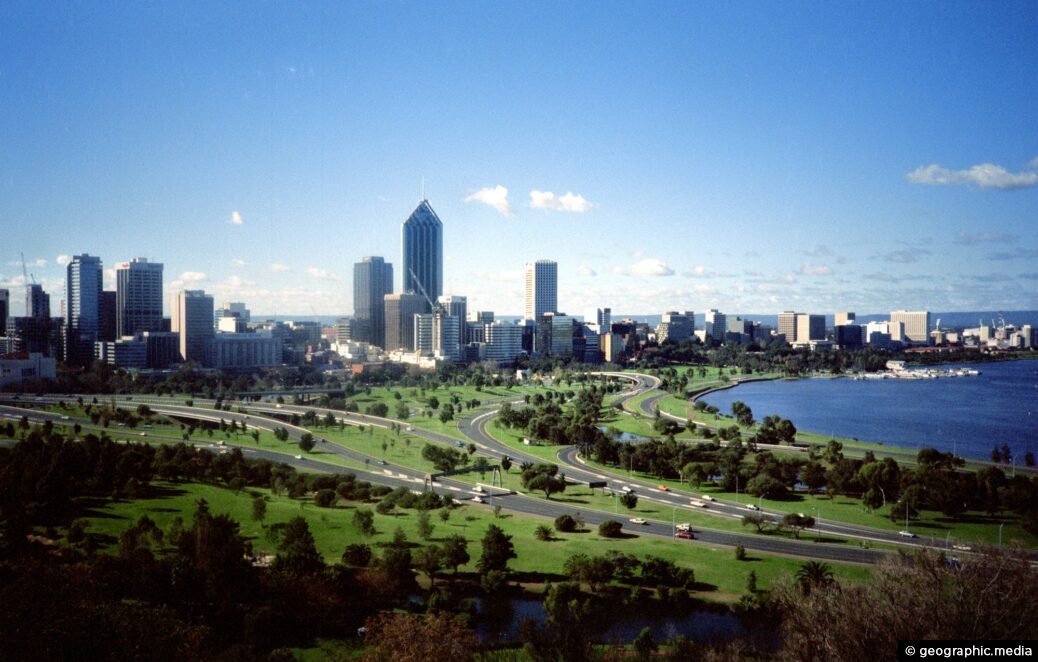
x=473 y=427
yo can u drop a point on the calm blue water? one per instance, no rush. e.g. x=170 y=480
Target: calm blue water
x=965 y=415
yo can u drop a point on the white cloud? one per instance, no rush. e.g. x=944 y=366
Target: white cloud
x=279 y=268
x=193 y=277
x=650 y=266
x=496 y=197
x=984 y=175
x=63 y=260
x=236 y=218
x=586 y=271
x=237 y=282
x=567 y=202
x=238 y=263
x=819 y=270
x=320 y=274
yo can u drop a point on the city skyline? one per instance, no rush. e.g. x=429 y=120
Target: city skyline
x=871 y=158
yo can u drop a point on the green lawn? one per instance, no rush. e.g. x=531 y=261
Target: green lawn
x=718 y=575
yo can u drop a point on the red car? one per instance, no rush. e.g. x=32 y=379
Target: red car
x=684 y=534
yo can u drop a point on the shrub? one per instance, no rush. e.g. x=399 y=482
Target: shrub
x=565 y=524
x=610 y=529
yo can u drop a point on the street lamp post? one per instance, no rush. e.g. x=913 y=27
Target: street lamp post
x=1000 y=532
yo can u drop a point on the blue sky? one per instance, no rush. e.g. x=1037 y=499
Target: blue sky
x=751 y=157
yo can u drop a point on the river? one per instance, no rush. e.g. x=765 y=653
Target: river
x=964 y=415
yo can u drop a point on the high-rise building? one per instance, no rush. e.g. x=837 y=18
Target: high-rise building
x=37 y=302
x=235 y=309
x=787 y=326
x=83 y=282
x=844 y=318
x=542 y=288
x=604 y=319
x=192 y=313
x=421 y=239
x=504 y=341
x=400 y=311
x=138 y=293
x=715 y=324
x=673 y=326
x=914 y=326
x=809 y=327
x=5 y=310
x=372 y=281
x=106 y=316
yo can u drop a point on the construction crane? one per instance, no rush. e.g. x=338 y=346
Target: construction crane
x=26 y=276
x=434 y=305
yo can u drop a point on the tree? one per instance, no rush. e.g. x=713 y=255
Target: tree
x=814 y=574
x=425 y=527
x=644 y=644
x=455 y=552
x=757 y=519
x=259 y=508
x=742 y=413
x=542 y=532
x=325 y=498
x=543 y=477
x=629 y=500
x=306 y=442
x=610 y=529
x=497 y=550
x=357 y=555
x=297 y=552
x=430 y=560
x=364 y=520
x=796 y=522
x=565 y=523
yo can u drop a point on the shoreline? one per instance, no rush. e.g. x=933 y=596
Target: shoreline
x=905 y=453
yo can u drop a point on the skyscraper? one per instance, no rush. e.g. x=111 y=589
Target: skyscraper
x=192 y=313
x=542 y=288
x=83 y=282
x=5 y=310
x=37 y=302
x=914 y=326
x=421 y=238
x=372 y=281
x=138 y=293
x=400 y=311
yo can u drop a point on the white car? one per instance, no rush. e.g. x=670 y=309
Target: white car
x=906 y=534
x=752 y=506
x=684 y=526
x=707 y=497
x=477 y=499
x=638 y=520
x=299 y=457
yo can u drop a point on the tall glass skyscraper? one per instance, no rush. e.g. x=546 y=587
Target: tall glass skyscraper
x=372 y=281
x=542 y=288
x=138 y=294
x=421 y=237
x=83 y=283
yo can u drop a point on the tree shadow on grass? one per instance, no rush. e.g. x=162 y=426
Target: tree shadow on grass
x=569 y=500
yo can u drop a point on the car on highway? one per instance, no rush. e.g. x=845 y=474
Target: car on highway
x=687 y=535
x=697 y=503
x=664 y=488
x=684 y=526
x=707 y=497
x=477 y=499
x=299 y=457
x=906 y=534
x=638 y=520
x=752 y=506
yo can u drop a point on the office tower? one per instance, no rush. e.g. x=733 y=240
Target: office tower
x=236 y=310
x=716 y=324
x=192 y=313
x=400 y=311
x=844 y=318
x=915 y=326
x=107 y=316
x=542 y=288
x=457 y=307
x=673 y=326
x=809 y=327
x=5 y=310
x=37 y=302
x=421 y=239
x=138 y=294
x=604 y=319
x=372 y=281
x=83 y=282
x=504 y=342
x=787 y=326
